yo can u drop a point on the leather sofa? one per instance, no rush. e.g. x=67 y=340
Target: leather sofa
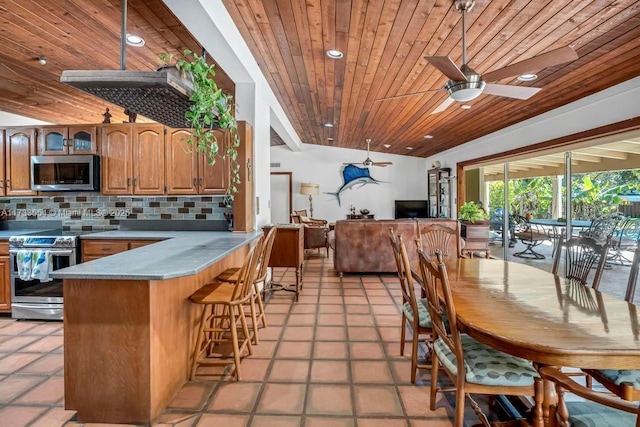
x=362 y=246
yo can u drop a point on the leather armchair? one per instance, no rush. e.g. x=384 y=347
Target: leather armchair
x=316 y=232
x=300 y=217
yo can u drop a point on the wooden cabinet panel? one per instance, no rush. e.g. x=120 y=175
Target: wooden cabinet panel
x=5 y=279
x=214 y=178
x=148 y=159
x=181 y=175
x=100 y=248
x=60 y=140
x=3 y=186
x=19 y=146
x=243 y=211
x=116 y=159
x=133 y=244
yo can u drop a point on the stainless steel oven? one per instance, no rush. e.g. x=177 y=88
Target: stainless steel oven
x=32 y=298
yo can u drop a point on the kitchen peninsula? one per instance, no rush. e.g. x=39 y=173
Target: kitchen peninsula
x=129 y=326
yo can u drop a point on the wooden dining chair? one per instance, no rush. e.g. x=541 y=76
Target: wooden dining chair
x=582 y=254
x=598 y=408
x=222 y=307
x=256 y=307
x=633 y=274
x=414 y=310
x=473 y=367
x=441 y=237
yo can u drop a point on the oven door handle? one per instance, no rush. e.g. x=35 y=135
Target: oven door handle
x=54 y=252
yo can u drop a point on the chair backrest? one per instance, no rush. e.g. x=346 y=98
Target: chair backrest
x=404 y=271
x=248 y=272
x=430 y=276
x=603 y=227
x=627 y=234
x=295 y=219
x=302 y=212
x=443 y=319
x=265 y=256
x=633 y=274
x=441 y=237
x=582 y=253
x=562 y=412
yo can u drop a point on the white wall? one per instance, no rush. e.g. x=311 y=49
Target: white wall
x=615 y=104
x=406 y=179
x=9 y=119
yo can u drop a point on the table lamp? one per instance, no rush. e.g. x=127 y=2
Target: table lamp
x=311 y=190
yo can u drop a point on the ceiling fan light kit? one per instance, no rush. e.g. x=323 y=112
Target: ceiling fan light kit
x=466 y=84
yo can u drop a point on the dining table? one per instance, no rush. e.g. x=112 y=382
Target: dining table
x=533 y=314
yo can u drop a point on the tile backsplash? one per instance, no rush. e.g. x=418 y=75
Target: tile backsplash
x=90 y=211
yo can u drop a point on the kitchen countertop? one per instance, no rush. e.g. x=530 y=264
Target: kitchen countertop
x=183 y=253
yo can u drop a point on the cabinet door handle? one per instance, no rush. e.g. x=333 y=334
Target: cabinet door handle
x=128 y=182
x=200 y=181
x=134 y=181
x=195 y=182
x=65 y=142
x=1 y=183
x=8 y=183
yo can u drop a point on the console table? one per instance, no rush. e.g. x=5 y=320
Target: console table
x=288 y=251
x=360 y=216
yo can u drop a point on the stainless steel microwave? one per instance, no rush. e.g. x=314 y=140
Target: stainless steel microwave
x=65 y=173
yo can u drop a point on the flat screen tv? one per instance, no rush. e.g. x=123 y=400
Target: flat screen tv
x=412 y=209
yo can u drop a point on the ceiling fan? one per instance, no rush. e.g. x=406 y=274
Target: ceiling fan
x=466 y=84
x=368 y=162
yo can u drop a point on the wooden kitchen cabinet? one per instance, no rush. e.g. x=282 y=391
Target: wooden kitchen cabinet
x=5 y=278
x=19 y=146
x=116 y=168
x=190 y=171
x=148 y=159
x=132 y=159
x=100 y=248
x=60 y=140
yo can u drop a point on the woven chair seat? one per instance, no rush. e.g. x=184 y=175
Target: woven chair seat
x=487 y=366
x=424 y=319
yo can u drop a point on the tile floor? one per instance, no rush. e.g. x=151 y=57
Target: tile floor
x=331 y=359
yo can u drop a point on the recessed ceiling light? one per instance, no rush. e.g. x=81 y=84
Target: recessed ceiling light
x=428 y=136
x=387 y=145
x=42 y=60
x=409 y=148
x=527 y=77
x=134 y=40
x=465 y=106
x=334 y=54
x=327 y=125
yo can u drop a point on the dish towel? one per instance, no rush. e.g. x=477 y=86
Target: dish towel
x=23 y=262
x=40 y=265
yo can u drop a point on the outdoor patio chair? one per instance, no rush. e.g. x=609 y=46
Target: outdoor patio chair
x=598 y=409
x=603 y=227
x=531 y=235
x=625 y=238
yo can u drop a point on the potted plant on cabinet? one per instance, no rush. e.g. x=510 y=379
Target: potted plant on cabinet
x=474 y=222
x=210 y=109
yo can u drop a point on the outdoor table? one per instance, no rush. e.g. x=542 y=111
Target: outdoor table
x=555 y=224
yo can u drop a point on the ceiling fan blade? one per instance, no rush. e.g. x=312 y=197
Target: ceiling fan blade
x=548 y=59
x=447 y=67
x=518 y=92
x=382 y=164
x=443 y=106
x=406 y=95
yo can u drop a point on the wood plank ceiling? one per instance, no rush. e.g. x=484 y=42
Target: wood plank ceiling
x=384 y=42
x=384 y=45
x=79 y=35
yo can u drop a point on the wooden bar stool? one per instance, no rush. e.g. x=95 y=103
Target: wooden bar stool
x=231 y=275
x=222 y=307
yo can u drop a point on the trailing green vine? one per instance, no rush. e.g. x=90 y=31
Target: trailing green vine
x=210 y=109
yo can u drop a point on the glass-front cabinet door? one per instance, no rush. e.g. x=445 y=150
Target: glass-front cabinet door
x=67 y=140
